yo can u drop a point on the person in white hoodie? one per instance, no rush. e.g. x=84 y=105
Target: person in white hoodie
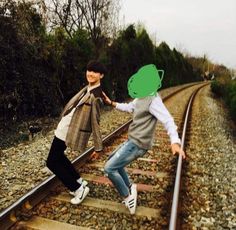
x=147 y=109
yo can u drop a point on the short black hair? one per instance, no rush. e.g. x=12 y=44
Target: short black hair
x=96 y=66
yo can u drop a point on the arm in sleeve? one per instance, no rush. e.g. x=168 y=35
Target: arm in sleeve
x=126 y=107
x=159 y=110
x=95 y=119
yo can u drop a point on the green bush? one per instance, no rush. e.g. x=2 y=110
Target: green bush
x=232 y=107
x=217 y=88
x=231 y=92
x=226 y=89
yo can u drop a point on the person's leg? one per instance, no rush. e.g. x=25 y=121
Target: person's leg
x=114 y=167
x=125 y=177
x=59 y=164
x=66 y=161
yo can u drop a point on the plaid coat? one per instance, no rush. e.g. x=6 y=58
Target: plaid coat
x=85 y=121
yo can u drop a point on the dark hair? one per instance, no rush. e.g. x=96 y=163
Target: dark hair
x=96 y=66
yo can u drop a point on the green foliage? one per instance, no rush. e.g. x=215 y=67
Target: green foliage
x=124 y=61
x=230 y=98
x=177 y=69
x=225 y=88
x=146 y=52
x=25 y=87
x=233 y=107
x=132 y=50
x=40 y=70
x=77 y=51
x=217 y=88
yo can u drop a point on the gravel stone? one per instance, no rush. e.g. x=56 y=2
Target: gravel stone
x=24 y=164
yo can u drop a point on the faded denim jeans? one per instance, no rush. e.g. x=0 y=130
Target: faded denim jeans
x=114 y=168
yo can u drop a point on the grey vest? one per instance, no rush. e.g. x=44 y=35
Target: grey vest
x=142 y=128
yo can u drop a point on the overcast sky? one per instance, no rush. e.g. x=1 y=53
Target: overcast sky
x=198 y=26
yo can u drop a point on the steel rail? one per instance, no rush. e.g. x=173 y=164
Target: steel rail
x=8 y=216
x=175 y=200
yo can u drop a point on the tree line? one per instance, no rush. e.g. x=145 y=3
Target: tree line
x=44 y=50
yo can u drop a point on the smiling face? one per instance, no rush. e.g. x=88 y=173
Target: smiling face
x=93 y=78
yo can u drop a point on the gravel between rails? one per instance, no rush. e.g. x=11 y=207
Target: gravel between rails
x=88 y=216
x=22 y=167
x=209 y=197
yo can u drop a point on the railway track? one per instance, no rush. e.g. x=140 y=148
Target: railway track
x=47 y=206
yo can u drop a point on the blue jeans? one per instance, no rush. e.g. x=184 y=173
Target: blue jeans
x=114 y=168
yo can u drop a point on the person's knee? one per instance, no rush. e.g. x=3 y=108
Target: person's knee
x=50 y=162
x=107 y=169
x=53 y=158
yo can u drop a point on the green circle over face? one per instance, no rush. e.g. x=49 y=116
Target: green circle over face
x=145 y=82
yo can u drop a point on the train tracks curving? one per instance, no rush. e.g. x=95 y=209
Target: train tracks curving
x=48 y=206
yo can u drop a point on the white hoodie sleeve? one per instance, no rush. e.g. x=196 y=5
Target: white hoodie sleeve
x=127 y=107
x=159 y=110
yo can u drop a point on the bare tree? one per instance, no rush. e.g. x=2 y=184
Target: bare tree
x=99 y=17
x=66 y=14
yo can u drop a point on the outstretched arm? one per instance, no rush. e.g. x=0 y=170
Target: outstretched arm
x=127 y=107
x=158 y=109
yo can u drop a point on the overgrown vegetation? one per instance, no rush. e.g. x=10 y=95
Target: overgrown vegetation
x=44 y=51
x=225 y=88
x=222 y=85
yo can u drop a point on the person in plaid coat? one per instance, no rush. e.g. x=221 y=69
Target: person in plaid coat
x=79 y=119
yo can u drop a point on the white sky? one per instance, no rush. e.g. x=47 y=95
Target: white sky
x=198 y=26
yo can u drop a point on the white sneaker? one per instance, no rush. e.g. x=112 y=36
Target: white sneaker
x=133 y=189
x=131 y=201
x=80 y=194
x=84 y=183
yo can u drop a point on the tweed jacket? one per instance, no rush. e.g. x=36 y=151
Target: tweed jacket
x=85 y=121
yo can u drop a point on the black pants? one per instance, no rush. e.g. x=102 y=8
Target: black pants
x=60 y=165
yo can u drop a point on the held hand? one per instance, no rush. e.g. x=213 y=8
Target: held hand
x=106 y=99
x=175 y=148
